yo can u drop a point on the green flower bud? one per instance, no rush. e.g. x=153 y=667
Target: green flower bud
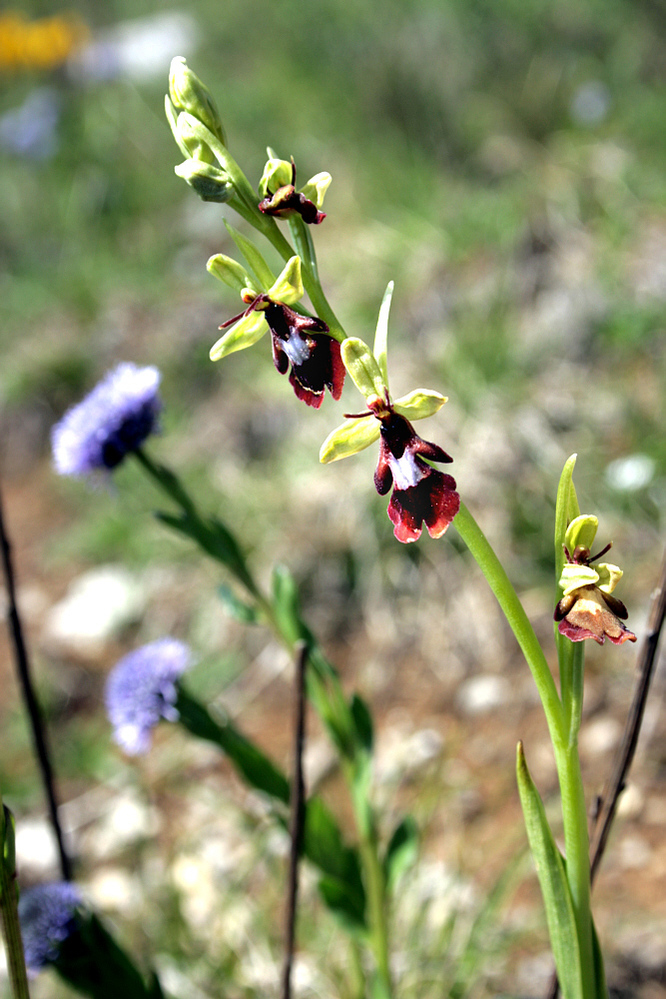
x=360 y=362
x=172 y=118
x=209 y=182
x=232 y=273
x=188 y=93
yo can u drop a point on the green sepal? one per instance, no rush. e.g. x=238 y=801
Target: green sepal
x=288 y=286
x=581 y=531
x=574 y=576
x=255 y=261
x=609 y=576
x=237 y=608
x=362 y=366
x=380 y=349
x=188 y=93
x=419 y=404
x=554 y=885
x=316 y=188
x=206 y=180
x=277 y=173
x=402 y=850
x=232 y=273
x=246 y=332
x=566 y=510
x=349 y=438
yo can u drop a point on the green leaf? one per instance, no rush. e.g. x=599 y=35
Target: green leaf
x=251 y=763
x=237 y=608
x=401 y=851
x=554 y=885
x=363 y=722
x=253 y=257
x=599 y=971
x=94 y=964
x=380 y=349
x=343 y=904
x=214 y=539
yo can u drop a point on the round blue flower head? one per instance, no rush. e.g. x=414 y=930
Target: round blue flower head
x=48 y=917
x=141 y=689
x=114 y=419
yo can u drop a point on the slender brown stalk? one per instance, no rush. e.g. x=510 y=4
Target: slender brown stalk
x=30 y=699
x=297 y=818
x=607 y=805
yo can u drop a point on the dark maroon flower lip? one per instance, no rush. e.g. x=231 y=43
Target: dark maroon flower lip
x=421 y=494
x=304 y=344
x=288 y=201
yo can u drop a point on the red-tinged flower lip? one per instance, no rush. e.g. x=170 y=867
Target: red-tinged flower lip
x=421 y=493
x=590 y=613
x=288 y=201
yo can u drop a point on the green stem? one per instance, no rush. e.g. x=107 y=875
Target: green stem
x=577 y=851
x=357 y=776
x=9 y=911
x=499 y=582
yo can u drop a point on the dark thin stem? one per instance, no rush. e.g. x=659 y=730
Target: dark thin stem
x=30 y=699
x=607 y=807
x=625 y=755
x=297 y=818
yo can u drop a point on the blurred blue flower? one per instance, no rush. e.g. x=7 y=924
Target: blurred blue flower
x=31 y=129
x=114 y=419
x=141 y=689
x=47 y=914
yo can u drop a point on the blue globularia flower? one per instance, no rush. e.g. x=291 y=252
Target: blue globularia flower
x=141 y=689
x=114 y=419
x=47 y=914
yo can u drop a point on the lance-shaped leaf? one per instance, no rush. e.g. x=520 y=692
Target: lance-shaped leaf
x=361 y=364
x=554 y=885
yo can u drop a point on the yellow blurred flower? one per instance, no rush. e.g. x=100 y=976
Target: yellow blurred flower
x=41 y=44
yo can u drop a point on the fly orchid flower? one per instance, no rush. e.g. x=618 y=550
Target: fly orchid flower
x=421 y=493
x=587 y=609
x=300 y=341
x=280 y=197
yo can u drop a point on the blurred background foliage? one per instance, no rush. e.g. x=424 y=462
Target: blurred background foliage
x=502 y=161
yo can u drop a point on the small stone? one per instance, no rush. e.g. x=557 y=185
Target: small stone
x=482 y=694
x=98 y=606
x=600 y=736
